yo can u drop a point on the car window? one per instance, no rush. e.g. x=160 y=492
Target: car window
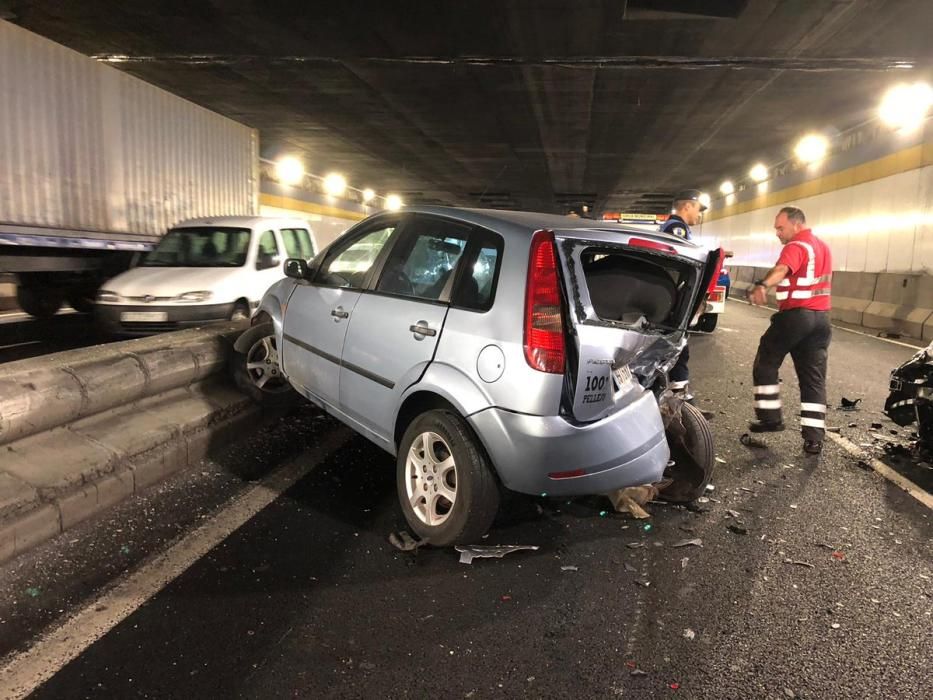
x=348 y=265
x=267 y=244
x=298 y=243
x=200 y=246
x=422 y=264
x=477 y=286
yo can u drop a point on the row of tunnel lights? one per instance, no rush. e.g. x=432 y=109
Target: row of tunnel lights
x=291 y=171
x=903 y=108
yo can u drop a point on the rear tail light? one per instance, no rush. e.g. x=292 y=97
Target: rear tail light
x=652 y=245
x=718 y=294
x=544 y=319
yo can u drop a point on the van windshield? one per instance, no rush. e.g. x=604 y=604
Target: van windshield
x=202 y=246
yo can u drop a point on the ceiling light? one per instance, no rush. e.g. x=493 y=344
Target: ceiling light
x=289 y=171
x=727 y=187
x=394 y=202
x=368 y=195
x=335 y=185
x=811 y=148
x=759 y=172
x=704 y=200
x=904 y=106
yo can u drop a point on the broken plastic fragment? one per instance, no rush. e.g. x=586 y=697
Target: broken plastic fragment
x=733 y=513
x=638 y=672
x=689 y=634
x=635 y=545
x=710 y=487
x=405 y=542
x=849 y=404
x=475 y=551
x=32 y=591
x=738 y=529
x=647 y=527
x=749 y=441
x=839 y=555
x=569 y=568
x=696 y=542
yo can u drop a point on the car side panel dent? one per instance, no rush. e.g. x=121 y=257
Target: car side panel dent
x=453 y=386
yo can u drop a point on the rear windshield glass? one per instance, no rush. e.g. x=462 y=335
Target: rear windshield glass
x=628 y=287
x=207 y=246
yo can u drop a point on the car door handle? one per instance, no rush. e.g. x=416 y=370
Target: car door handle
x=340 y=313
x=421 y=328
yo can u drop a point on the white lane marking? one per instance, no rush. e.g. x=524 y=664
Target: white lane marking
x=23 y=673
x=884 y=470
x=848 y=330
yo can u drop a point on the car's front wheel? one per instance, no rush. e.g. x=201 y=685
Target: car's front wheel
x=446 y=485
x=258 y=372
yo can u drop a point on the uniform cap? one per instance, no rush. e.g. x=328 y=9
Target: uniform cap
x=690 y=194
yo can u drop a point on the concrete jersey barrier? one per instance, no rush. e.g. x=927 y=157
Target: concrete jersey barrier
x=44 y=393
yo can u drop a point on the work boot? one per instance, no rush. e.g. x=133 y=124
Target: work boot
x=812 y=447
x=766 y=426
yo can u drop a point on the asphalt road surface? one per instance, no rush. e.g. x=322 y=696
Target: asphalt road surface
x=826 y=595
x=22 y=336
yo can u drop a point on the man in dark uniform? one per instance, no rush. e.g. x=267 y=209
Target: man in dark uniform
x=687 y=210
x=802 y=278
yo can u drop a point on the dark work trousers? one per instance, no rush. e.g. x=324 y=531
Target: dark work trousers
x=805 y=334
x=680 y=373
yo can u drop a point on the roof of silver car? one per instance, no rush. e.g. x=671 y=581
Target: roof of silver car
x=527 y=221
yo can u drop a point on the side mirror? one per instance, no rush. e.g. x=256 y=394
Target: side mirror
x=296 y=268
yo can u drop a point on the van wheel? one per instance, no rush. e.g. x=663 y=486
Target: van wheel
x=240 y=312
x=258 y=373
x=692 y=453
x=707 y=322
x=446 y=485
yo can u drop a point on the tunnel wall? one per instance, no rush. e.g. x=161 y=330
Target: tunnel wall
x=874 y=208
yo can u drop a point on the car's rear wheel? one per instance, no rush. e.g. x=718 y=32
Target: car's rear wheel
x=707 y=322
x=446 y=486
x=258 y=372
x=692 y=454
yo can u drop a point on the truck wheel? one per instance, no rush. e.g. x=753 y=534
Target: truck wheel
x=257 y=371
x=692 y=452
x=39 y=302
x=446 y=486
x=707 y=322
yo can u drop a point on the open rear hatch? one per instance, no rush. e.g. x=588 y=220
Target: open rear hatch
x=630 y=298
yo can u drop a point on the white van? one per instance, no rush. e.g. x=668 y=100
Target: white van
x=202 y=270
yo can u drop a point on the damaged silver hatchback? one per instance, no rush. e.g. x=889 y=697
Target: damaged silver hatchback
x=490 y=348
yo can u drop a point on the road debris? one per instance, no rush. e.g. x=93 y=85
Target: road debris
x=689 y=634
x=710 y=487
x=839 y=555
x=569 y=568
x=835 y=625
x=405 y=542
x=733 y=514
x=721 y=460
x=634 y=545
x=750 y=441
x=796 y=562
x=849 y=404
x=32 y=592
x=631 y=569
x=738 y=529
x=633 y=499
x=505 y=598
x=696 y=542
x=643 y=583
x=476 y=551
x=638 y=672
x=684 y=562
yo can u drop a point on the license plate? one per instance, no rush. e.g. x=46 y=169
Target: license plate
x=144 y=316
x=623 y=375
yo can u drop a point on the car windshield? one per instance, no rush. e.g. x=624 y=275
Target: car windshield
x=202 y=246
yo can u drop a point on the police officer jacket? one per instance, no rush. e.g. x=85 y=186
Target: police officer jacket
x=678 y=227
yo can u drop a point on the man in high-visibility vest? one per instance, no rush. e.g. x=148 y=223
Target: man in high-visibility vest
x=802 y=279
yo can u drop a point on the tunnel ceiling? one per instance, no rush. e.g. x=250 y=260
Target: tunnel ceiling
x=534 y=104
